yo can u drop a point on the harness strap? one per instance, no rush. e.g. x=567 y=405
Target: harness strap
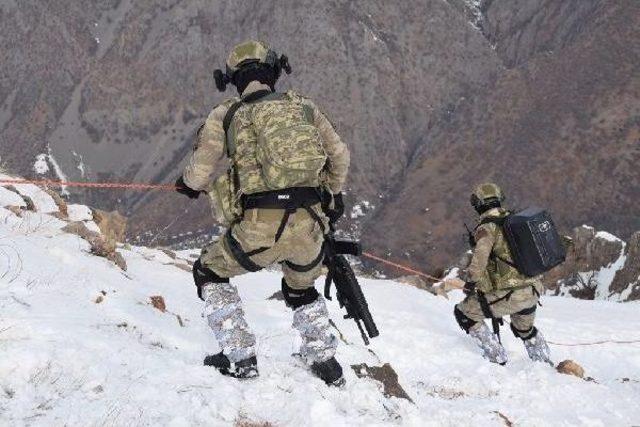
x=308 y=267
x=507 y=296
x=261 y=95
x=527 y=311
x=239 y=254
x=283 y=223
x=315 y=217
x=290 y=200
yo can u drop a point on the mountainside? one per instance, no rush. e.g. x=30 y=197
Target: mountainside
x=432 y=96
x=560 y=131
x=84 y=342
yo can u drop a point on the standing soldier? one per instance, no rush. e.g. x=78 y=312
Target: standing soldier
x=285 y=158
x=495 y=288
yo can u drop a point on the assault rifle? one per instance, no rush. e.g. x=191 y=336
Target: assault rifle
x=348 y=290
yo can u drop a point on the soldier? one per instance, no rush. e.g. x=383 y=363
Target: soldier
x=495 y=288
x=285 y=158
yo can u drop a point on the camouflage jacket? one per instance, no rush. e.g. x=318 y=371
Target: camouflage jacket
x=210 y=146
x=489 y=267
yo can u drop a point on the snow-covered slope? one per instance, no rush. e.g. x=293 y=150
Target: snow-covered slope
x=81 y=344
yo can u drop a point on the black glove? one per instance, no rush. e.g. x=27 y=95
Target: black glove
x=469 y=288
x=183 y=189
x=337 y=211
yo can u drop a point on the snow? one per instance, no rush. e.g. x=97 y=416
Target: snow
x=58 y=170
x=79 y=213
x=9 y=198
x=361 y=209
x=605 y=276
x=42 y=201
x=82 y=345
x=41 y=166
x=607 y=236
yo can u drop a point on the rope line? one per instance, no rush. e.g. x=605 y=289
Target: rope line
x=401 y=267
x=171 y=187
x=595 y=343
x=108 y=185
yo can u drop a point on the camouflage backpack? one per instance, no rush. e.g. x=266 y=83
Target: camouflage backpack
x=273 y=143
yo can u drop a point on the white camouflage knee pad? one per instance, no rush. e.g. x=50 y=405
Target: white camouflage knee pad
x=223 y=309
x=312 y=321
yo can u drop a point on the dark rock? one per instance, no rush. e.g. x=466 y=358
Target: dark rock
x=384 y=374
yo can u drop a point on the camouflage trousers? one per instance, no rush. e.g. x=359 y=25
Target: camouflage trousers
x=299 y=244
x=519 y=304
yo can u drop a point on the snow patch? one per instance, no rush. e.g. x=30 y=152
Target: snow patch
x=361 y=209
x=58 y=170
x=608 y=236
x=41 y=166
x=604 y=277
x=79 y=213
x=9 y=198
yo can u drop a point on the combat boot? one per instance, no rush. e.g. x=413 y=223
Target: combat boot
x=329 y=371
x=492 y=350
x=537 y=348
x=247 y=368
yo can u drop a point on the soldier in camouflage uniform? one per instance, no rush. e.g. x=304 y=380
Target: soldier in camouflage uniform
x=273 y=216
x=495 y=288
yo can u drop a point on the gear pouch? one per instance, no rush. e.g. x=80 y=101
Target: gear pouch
x=224 y=204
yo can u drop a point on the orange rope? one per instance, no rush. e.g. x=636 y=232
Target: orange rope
x=401 y=267
x=595 y=343
x=170 y=187
x=126 y=185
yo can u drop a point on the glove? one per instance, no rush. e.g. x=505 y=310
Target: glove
x=469 y=288
x=337 y=211
x=182 y=188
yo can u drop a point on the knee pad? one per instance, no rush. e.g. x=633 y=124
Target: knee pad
x=295 y=298
x=203 y=275
x=524 y=335
x=463 y=321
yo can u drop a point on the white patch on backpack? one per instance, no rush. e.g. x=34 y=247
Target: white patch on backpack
x=544 y=227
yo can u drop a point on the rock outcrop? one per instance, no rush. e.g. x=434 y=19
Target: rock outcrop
x=599 y=265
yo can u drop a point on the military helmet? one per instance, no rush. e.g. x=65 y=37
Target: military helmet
x=251 y=53
x=485 y=194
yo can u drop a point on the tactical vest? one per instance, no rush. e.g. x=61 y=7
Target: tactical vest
x=273 y=144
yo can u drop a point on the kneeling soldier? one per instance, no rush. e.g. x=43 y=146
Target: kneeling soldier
x=495 y=288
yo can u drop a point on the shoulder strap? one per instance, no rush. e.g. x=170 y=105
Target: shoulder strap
x=261 y=95
x=499 y=222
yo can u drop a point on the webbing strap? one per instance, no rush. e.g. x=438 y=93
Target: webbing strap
x=283 y=223
x=316 y=217
x=239 y=254
x=261 y=95
x=308 y=267
x=527 y=311
x=507 y=296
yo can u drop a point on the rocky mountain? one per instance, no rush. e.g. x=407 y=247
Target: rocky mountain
x=432 y=97
x=599 y=266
